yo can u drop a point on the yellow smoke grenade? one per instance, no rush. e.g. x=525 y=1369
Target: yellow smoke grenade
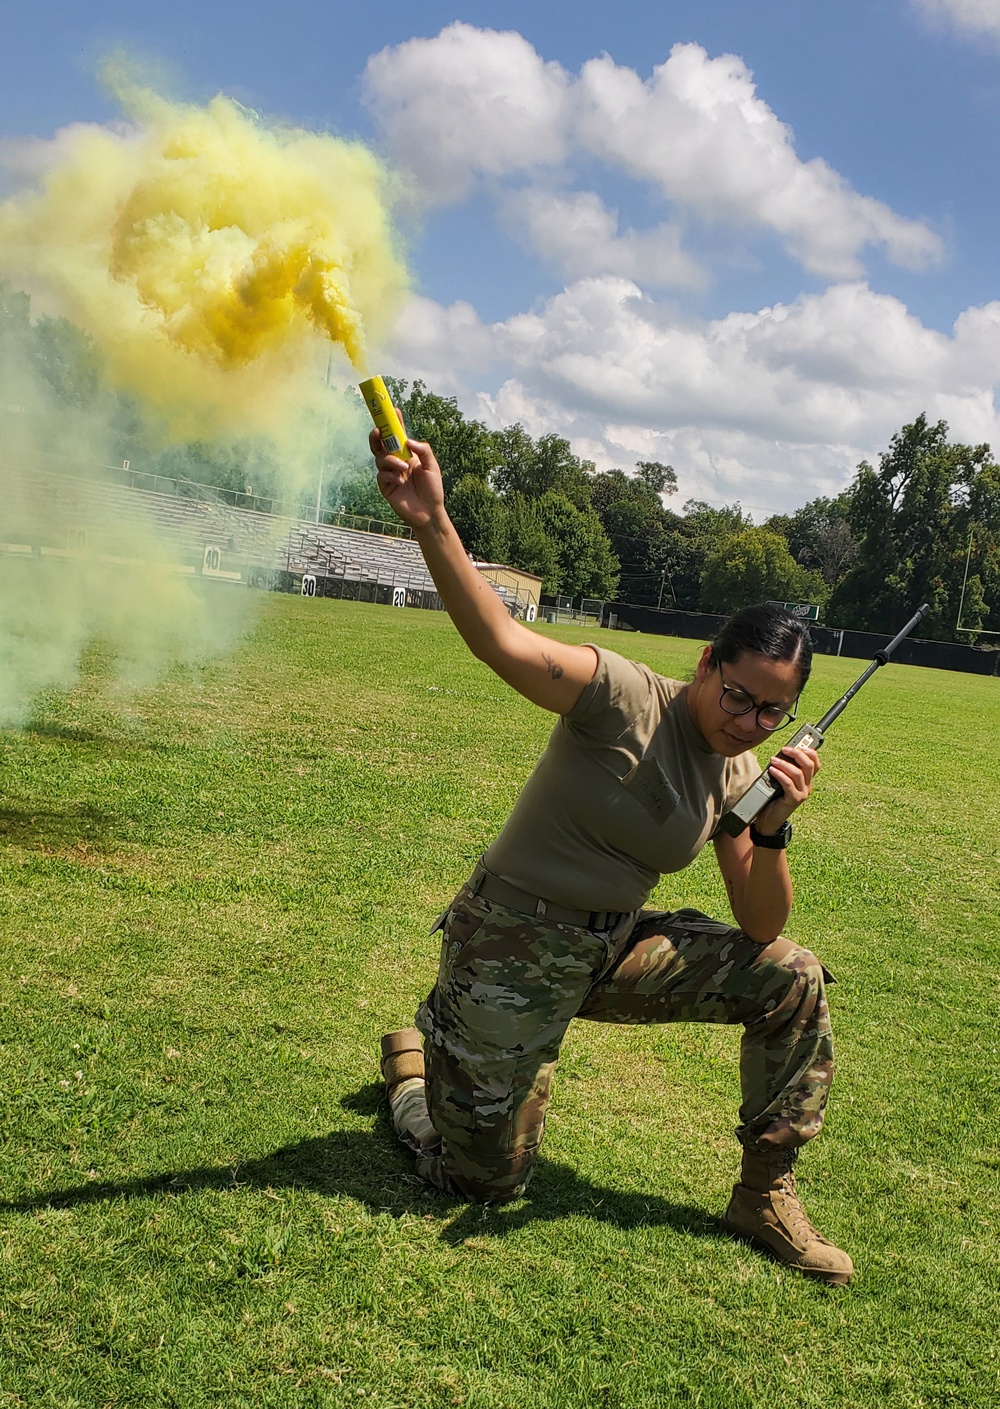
x=207 y=253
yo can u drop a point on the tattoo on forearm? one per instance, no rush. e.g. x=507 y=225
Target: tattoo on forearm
x=554 y=670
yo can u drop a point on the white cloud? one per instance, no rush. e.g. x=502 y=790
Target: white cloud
x=977 y=346
x=468 y=103
x=978 y=16
x=605 y=347
x=513 y=404
x=579 y=235
x=475 y=104
x=772 y=407
x=443 y=346
x=698 y=131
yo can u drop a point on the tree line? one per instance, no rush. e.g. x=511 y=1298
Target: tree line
x=921 y=525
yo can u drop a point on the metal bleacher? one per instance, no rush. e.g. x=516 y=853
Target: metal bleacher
x=327 y=550
x=52 y=512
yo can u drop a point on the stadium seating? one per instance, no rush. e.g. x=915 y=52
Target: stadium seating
x=52 y=512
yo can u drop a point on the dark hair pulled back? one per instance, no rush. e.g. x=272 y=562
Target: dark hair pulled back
x=771 y=632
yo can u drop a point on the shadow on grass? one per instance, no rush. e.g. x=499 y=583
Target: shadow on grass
x=55 y=829
x=112 y=741
x=371 y=1167
x=70 y=733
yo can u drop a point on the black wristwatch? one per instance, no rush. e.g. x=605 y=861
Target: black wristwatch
x=776 y=842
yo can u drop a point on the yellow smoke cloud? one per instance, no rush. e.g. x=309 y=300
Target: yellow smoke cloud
x=215 y=260
x=207 y=253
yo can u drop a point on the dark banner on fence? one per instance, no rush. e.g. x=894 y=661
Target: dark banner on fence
x=831 y=641
x=306 y=584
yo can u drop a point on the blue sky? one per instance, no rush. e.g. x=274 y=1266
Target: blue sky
x=748 y=237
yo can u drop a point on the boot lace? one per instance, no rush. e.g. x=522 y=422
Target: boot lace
x=784 y=1180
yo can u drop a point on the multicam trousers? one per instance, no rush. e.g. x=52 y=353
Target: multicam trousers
x=509 y=985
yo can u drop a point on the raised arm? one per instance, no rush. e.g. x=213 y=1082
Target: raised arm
x=549 y=673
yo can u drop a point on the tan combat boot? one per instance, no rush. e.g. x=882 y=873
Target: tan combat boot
x=765 y=1209
x=403 y=1073
x=402 y=1057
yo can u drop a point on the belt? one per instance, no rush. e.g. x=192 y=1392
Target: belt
x=490 y=887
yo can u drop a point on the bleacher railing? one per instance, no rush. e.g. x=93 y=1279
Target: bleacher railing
x=364 y=525
x=198 y=519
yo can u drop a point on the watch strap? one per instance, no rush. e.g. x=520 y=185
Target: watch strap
x=777 y=841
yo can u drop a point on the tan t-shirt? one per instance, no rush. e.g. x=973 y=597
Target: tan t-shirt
x=626 y=789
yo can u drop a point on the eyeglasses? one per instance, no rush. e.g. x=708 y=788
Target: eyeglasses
x=769 y=716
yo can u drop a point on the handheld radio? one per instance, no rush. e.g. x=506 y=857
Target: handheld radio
x=810 y=736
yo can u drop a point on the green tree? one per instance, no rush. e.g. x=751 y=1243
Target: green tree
x=68 y=362
x=478 y=515
x=232 y=465
x=15 y=342
x=53 y=397
x=689 y=541
x=524 y=466
x=462 y=447
x=529 y=547
x=819 y=536
x=15 y=317
x=713 y=525
x=562 y=472
x=587 y=567
x=982 y=565
x=630 y=508
x=662 y=479
x=358 y=493
x=684 y=554
x=913 y=517
x=61 y=358
x=755 y=566
x=513 y=462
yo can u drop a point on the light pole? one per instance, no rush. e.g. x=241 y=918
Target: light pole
x=663 y=577
x=965 y=578
x=326 y=436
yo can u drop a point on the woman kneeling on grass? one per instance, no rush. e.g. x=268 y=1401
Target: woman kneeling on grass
x=550 y=925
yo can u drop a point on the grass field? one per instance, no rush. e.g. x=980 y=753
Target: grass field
x=215 y=897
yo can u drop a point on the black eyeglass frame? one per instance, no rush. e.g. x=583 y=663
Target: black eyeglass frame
x=789 y=716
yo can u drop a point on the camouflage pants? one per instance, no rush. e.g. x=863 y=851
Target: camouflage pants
x=509 y=985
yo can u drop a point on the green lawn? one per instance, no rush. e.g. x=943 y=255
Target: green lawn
x=216 y=896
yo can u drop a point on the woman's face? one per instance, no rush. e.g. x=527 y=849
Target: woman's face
x=766 y=681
